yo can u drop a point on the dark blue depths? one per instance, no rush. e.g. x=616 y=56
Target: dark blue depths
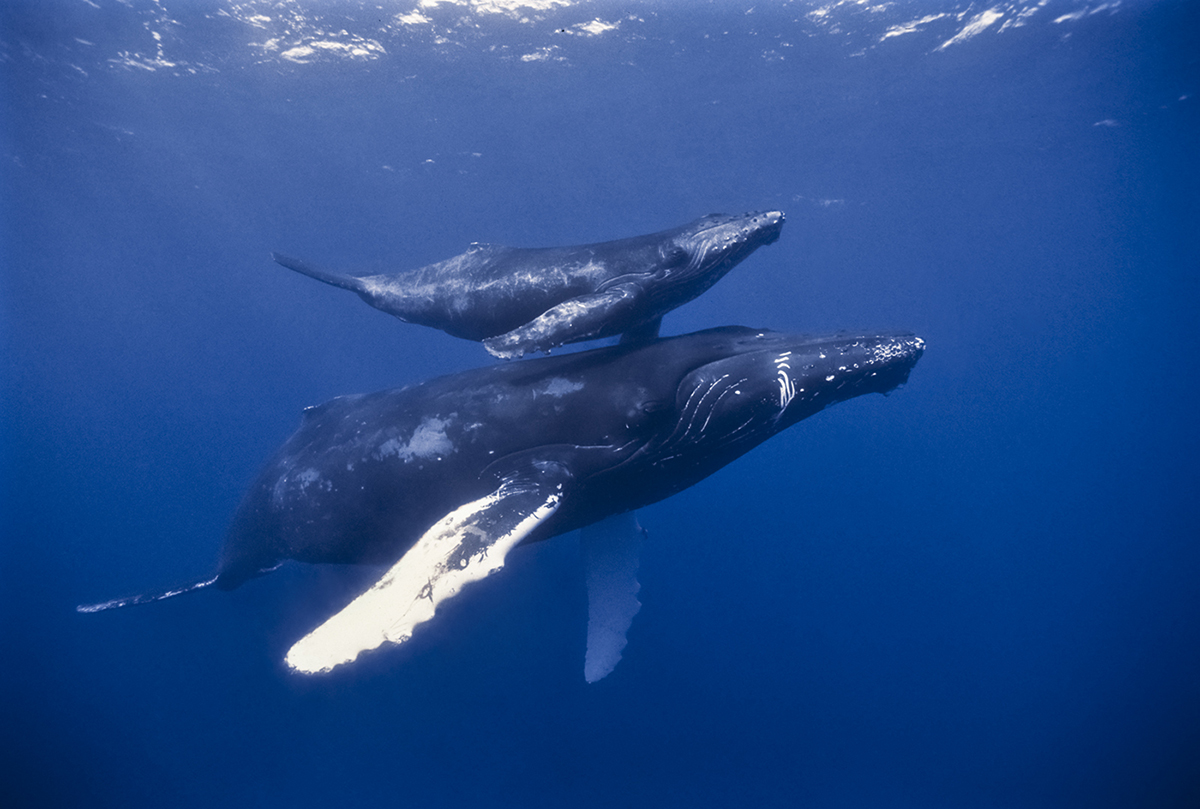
x=979 y=591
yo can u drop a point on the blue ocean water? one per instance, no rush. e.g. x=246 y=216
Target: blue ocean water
x=980 y=590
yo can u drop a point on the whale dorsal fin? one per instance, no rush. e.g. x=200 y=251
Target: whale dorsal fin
x=610 y=550
x=468 y=544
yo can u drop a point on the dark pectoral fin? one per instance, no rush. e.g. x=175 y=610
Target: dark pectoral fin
x=466 y=545
x=582 y=318
x=643 y=333
x=610 y=550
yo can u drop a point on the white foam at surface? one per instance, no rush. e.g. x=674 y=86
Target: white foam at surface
x=978 y=24
x=910 y=27
x=597 y=27
x=300 y=32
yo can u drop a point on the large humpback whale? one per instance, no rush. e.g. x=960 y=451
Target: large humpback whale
x=521 y=300
x=442 y=479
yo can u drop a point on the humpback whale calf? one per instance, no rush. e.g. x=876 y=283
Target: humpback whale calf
x=522 y=300
x=443 y=479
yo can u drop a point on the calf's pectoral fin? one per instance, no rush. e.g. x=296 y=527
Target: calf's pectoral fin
x=466 y=545
x=642 y=333
x=582 y=318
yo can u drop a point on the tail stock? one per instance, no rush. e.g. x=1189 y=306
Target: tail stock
x=145 y=598
x=304 y=268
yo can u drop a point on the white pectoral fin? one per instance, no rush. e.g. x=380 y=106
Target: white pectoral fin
x=610 y=551
x=466 y=545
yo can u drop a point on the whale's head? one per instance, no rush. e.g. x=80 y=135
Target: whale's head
x=706 y=249
x=762 y=382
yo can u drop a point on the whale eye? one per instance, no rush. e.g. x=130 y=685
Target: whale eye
x=647 y=414
x=672 y=256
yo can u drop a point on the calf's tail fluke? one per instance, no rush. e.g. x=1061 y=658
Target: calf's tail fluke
x=144 y=599
x=304 y=268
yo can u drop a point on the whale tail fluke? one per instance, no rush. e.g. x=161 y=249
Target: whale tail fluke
x=145 y=598
x=332 y=278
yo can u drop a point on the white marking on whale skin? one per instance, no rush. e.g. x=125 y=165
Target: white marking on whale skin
x=298 y=482
x=308 y=477
x=377 y=287
x=429 y=440
x=558 y=387
x=787 y=387
x=596 y=271
x=888 y=351
x=713 y=407
x=693 y=405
